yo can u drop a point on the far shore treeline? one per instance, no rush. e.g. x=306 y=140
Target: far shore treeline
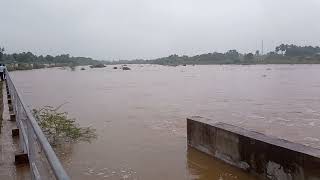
x=28 y=60
x=283 y=54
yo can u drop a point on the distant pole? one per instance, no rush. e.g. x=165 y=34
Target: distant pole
x=262 y=47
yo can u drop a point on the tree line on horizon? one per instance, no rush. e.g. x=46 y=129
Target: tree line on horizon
x=28 y=60
x=283 y=54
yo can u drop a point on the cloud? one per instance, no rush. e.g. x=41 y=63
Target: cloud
x=128 y=29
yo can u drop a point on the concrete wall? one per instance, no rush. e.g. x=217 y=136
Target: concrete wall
x=268 y=157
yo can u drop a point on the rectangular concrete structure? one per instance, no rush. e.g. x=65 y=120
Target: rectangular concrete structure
x=268 y=157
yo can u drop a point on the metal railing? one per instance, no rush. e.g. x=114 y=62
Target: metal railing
x=43 y=161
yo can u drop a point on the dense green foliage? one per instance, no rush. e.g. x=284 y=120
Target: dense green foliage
x=59 y=128
x=283 y=54
x=27 y=60
x=28 y=57
x=1 y=52
x=293 y=50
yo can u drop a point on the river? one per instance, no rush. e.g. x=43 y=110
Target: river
x=140 y=115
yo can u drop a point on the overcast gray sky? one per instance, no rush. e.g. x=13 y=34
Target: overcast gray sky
x=128 y=29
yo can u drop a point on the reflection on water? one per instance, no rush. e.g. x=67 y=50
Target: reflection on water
x=140 y=114
x=202 y=166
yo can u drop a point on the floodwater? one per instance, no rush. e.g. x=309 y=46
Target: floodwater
x=140 y=114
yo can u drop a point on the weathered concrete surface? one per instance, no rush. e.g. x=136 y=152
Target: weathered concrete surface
x=268 y=157
x=8 y=147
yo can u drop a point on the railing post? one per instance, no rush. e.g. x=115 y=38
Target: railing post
x=12 y=117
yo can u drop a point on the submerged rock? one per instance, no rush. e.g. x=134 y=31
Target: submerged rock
x=98 y=66
x=125 y=68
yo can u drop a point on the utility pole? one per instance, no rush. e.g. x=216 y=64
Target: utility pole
x=262 y=47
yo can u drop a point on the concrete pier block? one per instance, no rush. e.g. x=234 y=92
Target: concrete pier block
x=15 y=132
x=21 y=158
x=267 y=157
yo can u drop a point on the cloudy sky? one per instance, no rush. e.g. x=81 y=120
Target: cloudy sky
x=129 y=29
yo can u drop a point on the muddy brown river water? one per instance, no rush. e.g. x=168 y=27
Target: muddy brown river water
x=140 y=114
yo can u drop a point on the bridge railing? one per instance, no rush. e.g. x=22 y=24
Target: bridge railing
x=43 y=161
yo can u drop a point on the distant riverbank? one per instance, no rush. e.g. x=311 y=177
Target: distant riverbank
x=219 y=58
x=22 y=67
x=283 y=54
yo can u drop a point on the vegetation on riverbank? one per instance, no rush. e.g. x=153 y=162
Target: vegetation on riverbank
x=59 y=128
x=28 y=61
x=283 y=54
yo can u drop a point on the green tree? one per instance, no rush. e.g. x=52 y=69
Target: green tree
x=248 y=56
x=1 y=52
x=50 y=59
x=232 y=54
x=59 y=128
x=283 y=48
